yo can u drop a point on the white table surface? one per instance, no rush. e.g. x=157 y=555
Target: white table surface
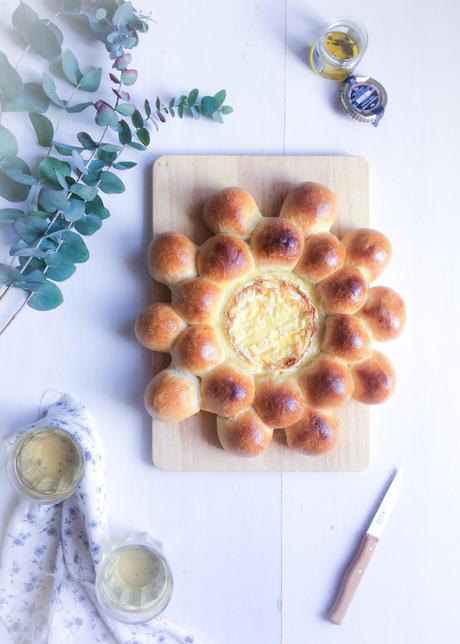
x=256 y=557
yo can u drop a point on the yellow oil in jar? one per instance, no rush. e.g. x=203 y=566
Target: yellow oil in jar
x=341 y=46
x=338 y=49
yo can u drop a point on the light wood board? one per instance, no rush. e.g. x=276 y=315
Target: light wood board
x=180 y=186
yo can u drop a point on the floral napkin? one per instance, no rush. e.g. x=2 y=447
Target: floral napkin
x=50 y=556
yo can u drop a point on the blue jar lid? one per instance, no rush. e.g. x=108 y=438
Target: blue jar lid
x=363 y=98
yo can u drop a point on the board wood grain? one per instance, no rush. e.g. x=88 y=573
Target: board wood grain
x=181 y=184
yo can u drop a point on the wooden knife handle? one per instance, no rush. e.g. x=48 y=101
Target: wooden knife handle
x=352 y=578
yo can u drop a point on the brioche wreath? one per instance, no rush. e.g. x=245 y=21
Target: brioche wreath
x=271 y=321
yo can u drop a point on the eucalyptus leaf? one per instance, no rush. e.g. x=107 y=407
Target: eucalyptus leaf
x=11 y=86
x=71 y=68
x=10 y=214
x=220 y=97
x=79 y=162
x=70 y=6
x=128 y=76
x=43 y=128
x=137 y=146
x=125 y=135
x=73 y=247
x=39 y=35
x=91 y=80
x=50 y=168
x=48 y=296
x=226 y=109
x=96 y=206
x=101 y=14
x=126 y=109
x=32 y=281
x=88 y=224
x=23 y=250
x=59 y=268
x=79 y=107
x=123 y=15
x=121 y=63
x=9 y=274
x=55 y=29
x=208 y=106
x=8 y=143
x=86 y=141
x=33 y=99
x=147 y=108
x=217 y=116
x=87 y=193
x=10 y=189
x=124 y=165
x=195 y=112
x=143 y=135
x=106 y=115
x=30 y=228
x=49 y=87
x=191 y=99
x=76 y=209
x=18 y=175
x=66 y=150
x=111 y=184
x=137 y=119
x=30 y=264
x=53 y=200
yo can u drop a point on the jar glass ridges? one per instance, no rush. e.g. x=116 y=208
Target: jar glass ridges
x=134 y=582
x=339 y=48
x=45 y=464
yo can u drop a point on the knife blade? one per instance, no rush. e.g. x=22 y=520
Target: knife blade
x=366 y=549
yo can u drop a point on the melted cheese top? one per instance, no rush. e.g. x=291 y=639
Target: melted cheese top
x=270 y=322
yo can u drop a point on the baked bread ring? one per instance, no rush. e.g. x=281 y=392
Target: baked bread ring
x=271 y=321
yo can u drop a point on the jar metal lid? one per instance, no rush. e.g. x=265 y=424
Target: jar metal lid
x=363 y=98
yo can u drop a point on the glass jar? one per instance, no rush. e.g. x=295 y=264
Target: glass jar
x=134 y=583
x=339 y=48
x=44 y=464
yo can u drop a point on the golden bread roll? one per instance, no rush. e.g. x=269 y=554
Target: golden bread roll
x=279 y=402
x=276 y=243
x=345 y=337
x=326 y=382
x=314 y=433
x=322 y=255
x=368 y=250
x=233 y=211
x=224 y=258
x=197 y=300
x=172 y=258
x=197 y=350
x=345 y=291
x=226 y=390
x=158 y=326
x=271 y=321
x=384 y=313
x=311 y=206
x=374 y=379
x=244 y=434
x=172 y=395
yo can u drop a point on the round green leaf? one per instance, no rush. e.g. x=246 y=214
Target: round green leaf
x=47 y=296
x=10 y=189
x=128 y=76
x=9 y=274
x=88 y=225
x=48 y=169
x=79 y=107
x=191 y=99
x=11 y=86
x=87 y=193
x=208 y=106
x=52 y=200
x=43 y=128
x=8 y=143
x=126 y=109
x=70 y=67
x=49 y=87
x=86 y=141
x=111 y=184
x=10 y=214
x=143 y=135
x=39 y=35
x=91 y=80
x=137 y=119
x=59 y=268
x=226 y=109
x=220 y=97
x=30 y=228
x=73 y=247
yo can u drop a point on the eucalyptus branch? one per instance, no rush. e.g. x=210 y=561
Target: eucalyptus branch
x=65 y=204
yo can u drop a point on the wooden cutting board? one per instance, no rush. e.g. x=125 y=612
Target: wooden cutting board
x=180 y=186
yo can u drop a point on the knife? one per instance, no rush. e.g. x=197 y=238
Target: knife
x=366 y=549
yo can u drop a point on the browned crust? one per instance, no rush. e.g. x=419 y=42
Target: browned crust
x=316 y=432
x=197 y=300
x=157 y=326
x=345 y=291
x=171 y=258
x=226 y=390
x=374 y=379
x=369 y=250
x=244 y=434
x=224 y=258
x=311 y=206
x=345 y=337
x=326 y=383
x=277 y=242
x=197 y=349
x=278 y=402
x=322 y=255
x=384 y=313
x=233 y=211
x=172 y=396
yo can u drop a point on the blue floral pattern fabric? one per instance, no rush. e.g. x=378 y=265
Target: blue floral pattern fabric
x=50 y=556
